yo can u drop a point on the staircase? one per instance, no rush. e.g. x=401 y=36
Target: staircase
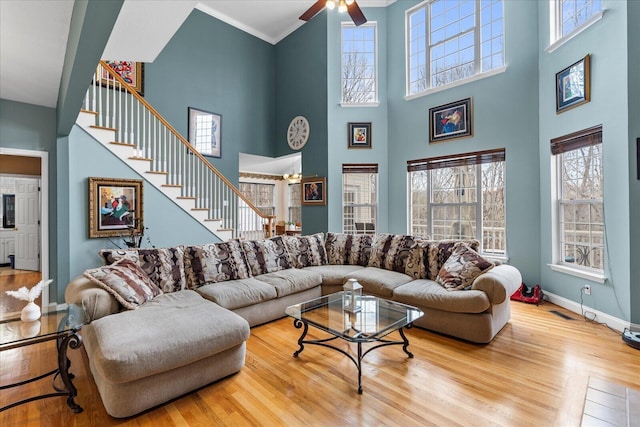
x=120 y=119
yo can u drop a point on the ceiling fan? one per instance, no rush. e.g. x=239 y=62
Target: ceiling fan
x=343 y=6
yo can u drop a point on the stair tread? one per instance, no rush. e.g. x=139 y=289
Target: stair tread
x=213 y=219
x=89 y=112
x=140 y=158
x=125 y=144
x=199 y=209
x=158 y=172
x=172 y=185
x=103 y=128
x=187 y=198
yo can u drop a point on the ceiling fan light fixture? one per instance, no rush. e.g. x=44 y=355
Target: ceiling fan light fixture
x=342 y=8
x=331 y=4
x=349 y=2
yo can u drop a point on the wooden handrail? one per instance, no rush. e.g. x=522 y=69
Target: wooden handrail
x=186 y=143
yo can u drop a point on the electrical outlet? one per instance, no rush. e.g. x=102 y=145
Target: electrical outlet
x=587 y=289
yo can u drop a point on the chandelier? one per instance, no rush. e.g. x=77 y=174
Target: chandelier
x=293 y=178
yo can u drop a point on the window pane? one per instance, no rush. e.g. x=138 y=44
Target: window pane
x=360 y=202
x=574 y=13
x=359 y=64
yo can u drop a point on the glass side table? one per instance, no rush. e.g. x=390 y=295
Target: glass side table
x=63 y=327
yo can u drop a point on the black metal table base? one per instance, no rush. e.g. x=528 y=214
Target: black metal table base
x=356 y=361
x=71 y=340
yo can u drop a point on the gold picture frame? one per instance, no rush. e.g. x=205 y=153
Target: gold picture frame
x=314 y=191
x=115 y=207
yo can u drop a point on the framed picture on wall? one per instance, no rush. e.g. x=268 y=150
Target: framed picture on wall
x=314 y=191
x=115 y=207
x=131 y=72
x=573 y=86
x=451 y=121
x=359 y=135
x=205 y=132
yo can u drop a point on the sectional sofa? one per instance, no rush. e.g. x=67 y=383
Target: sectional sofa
x=168 y=321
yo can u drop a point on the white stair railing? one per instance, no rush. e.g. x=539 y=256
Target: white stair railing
x=120 y=108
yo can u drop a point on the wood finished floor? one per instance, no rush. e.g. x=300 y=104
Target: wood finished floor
x=535 y=373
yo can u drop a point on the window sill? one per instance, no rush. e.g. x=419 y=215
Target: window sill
x=555 y=45
x=583 y=274
x=456 y=83
x=368 y=104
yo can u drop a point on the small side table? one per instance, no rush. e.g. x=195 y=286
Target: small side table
x=61 y=326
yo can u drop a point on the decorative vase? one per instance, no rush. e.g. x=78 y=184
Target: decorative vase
x=29 y=329
x=30 y=312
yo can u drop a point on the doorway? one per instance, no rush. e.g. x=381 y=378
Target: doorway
x=28 y=240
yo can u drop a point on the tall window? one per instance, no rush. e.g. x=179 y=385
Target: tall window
x=580 y=199
x=569 y=16
x=450 y=40
x=295 y=204
x=461 y=196
x=359 y=198
x=261 y=195
x=359 y=63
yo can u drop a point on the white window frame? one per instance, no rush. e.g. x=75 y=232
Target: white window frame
x=556 y=38
x=560 y=263
x=350 y=205
x=294 y=213
x=375 y=101
x=415 y=167
x=478 y=73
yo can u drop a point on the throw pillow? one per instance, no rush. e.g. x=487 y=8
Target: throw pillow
x=397 y=252
x=126 y=281
x=462 y=268
x=437 y=252
x=164 y=266
x=306 y=251
x=215 y=262
x=266 y=256
x=350 y=249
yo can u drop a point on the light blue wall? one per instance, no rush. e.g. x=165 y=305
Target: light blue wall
x=215 y=67
x=301 y=89
x=166 y=223
x=608 y=107
x=31 y=127
x=505 y=110
x=633 y=47
x=339 y=117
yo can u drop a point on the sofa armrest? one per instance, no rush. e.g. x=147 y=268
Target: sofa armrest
x=95 y=301
x=499 y=283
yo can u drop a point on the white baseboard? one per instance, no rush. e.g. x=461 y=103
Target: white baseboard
x=612 y=322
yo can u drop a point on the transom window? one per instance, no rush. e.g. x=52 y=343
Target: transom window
x=580 y=180
x=460 y=197
x=359 y=198
x=573 y=14
x=359 y=64
x=451 y=40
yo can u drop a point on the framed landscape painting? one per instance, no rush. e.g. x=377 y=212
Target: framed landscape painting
x=115 y=206
x=314 y=191
x=451 y=121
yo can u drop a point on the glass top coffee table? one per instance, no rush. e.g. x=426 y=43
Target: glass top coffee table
x=61 y=326
x=376 y=319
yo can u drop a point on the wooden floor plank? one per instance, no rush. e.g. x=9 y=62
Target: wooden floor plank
x=535 y=373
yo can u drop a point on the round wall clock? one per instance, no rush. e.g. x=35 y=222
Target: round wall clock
x=298 y=132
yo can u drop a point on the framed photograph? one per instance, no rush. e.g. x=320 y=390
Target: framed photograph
x=451 y=121
x=573 y=86
x=115 y=206
x=314 y=191
x=131 y=72
x=638 y=157
x=205 y=132
x=359 y=135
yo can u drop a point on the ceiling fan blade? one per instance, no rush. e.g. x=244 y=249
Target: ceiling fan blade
x=311 y=12
x=356 y=14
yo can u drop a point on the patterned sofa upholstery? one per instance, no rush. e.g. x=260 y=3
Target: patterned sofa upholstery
x=185 y=311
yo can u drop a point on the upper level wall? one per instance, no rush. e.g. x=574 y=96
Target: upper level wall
x=505 y=110
x=606 y=42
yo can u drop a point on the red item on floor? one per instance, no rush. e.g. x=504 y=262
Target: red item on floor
x=530 y=295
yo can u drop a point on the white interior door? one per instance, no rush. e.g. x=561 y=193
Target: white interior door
x=27 y=224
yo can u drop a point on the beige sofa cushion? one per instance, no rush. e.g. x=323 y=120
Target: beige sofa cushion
x=378 y=281
x=334 y=275
x=181 y=320
x=238 y=293
x=291 y=281
x=429 y=294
